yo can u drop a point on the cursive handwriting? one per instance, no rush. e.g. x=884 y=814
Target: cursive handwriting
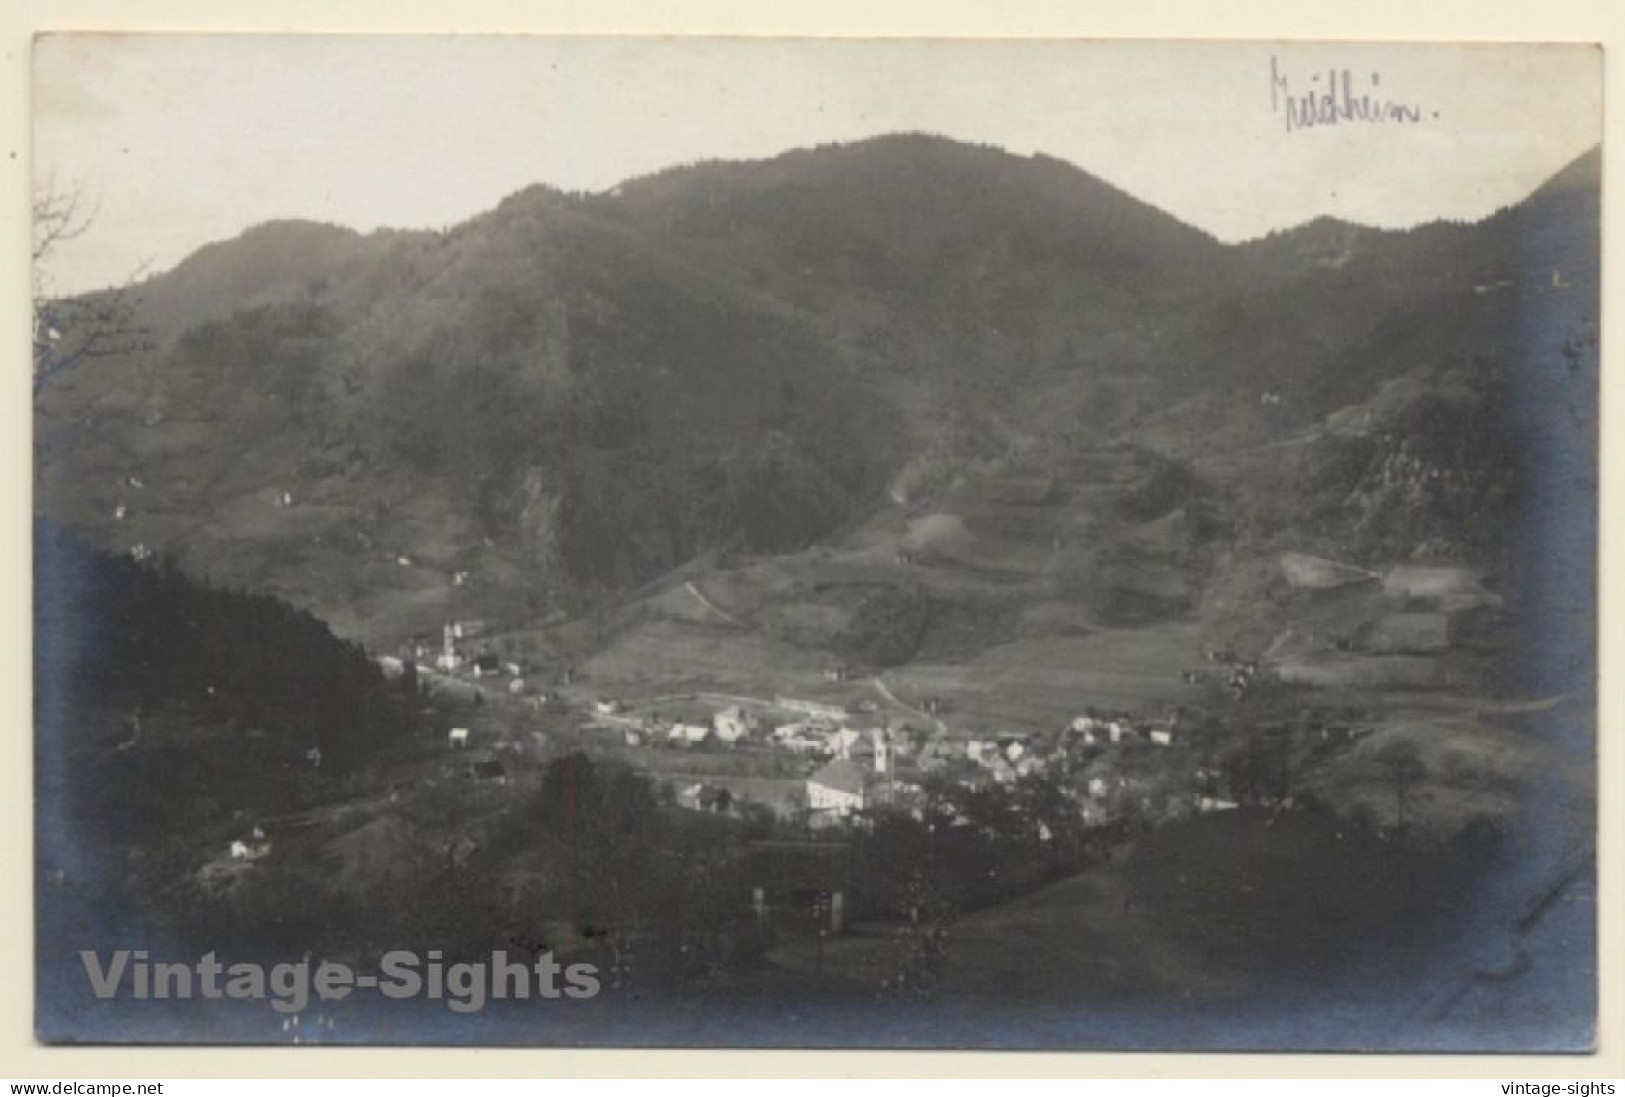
x=1336 y=99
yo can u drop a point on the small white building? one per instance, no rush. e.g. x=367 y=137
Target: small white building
x=732 y=725
x=457 y=738
x=248 y=851
x=688 y=735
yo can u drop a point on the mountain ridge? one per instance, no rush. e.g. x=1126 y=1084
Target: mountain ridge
x=570 y=394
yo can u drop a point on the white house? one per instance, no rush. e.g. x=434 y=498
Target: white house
x=245 y=851
x=1161 y=736
x=838 y=789
x=732 y=725
x=688 y=735
x=457 y=738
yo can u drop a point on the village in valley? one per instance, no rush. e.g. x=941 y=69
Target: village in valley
x=873 y=752
x=808 y=756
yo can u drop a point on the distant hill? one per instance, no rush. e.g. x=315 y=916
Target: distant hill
x=569 y=395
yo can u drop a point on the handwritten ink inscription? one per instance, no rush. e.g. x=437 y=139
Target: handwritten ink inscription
x=1335 y=97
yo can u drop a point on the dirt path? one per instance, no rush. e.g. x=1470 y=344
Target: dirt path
x=700 y=597
x=885 y=691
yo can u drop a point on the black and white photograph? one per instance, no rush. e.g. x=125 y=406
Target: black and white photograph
x=815 y=543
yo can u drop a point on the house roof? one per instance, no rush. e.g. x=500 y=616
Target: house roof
x=842 y=775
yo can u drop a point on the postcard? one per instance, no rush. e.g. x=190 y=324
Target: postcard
x=815 y=543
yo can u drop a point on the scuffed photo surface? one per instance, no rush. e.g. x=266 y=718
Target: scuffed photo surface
x=791 y=543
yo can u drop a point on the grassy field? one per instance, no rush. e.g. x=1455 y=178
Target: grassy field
x=671 y=654
x=1217 y=908
x=1038 y=682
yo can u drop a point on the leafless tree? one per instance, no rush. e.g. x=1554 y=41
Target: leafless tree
x=1402 y=763
x=69 y=330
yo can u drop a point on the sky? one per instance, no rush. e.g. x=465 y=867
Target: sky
x=174 y=141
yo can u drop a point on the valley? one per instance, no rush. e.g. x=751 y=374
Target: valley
x=886 y=565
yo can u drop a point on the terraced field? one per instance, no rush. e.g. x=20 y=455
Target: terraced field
x=1042 y=681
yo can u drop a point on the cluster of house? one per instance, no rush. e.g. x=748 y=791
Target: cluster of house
x=685 y=726
x=1238 y=675
x=881 y=765
x=868 y=762
x=451 y=655
x=1095 y=727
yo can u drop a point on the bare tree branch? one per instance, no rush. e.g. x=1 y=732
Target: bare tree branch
x=70 y=330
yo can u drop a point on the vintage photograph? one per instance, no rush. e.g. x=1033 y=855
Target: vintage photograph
x=815 y=543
